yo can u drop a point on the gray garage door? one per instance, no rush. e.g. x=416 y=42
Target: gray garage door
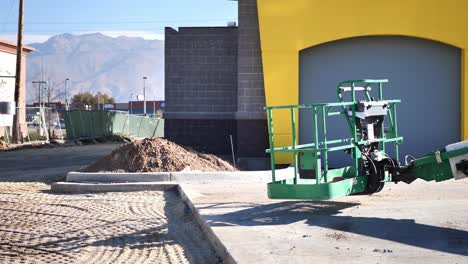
x=424 y=74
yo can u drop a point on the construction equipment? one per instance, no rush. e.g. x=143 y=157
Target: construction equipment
x=372 y=123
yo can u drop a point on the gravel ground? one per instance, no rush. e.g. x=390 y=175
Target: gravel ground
x=138 y=227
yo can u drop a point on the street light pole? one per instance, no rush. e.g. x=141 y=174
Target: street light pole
x=45 y=92
x=66 y=101
x=144 y=94
x=131 y=96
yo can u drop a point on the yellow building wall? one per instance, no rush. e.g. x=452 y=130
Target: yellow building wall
x=288 y=26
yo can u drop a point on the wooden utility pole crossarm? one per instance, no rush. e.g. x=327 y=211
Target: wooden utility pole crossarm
x=19 y=57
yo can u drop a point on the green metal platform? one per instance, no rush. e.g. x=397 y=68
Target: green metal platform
x=372 y=124
x=308 y=189
x=328 y=183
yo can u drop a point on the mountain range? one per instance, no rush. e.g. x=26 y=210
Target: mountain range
x=98 y=63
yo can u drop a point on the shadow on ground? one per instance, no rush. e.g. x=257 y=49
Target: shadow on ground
x=326 y=214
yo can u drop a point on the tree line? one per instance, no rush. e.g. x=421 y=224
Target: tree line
x=88 y=98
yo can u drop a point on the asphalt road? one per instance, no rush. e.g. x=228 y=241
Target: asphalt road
x=48 y=164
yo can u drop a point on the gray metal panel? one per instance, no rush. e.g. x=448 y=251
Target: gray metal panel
x=7 y=108
x=424 y=74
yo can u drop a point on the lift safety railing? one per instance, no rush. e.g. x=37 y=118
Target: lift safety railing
x=321 y=145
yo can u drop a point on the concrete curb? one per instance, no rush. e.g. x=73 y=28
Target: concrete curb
x=181 y=177
x=78 y=188
x=215 y=242
x=117 y=177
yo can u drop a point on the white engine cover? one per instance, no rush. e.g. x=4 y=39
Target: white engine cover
x=453 y=161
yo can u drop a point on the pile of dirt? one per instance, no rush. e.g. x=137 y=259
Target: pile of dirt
x=3 y=144
x=157 y=155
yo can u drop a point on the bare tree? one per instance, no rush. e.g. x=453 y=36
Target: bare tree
x=50 y=92
x=54 y=90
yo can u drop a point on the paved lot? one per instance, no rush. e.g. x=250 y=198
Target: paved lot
x=417 y=223
x=48 y=164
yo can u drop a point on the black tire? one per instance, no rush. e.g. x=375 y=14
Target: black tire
x=375 y=181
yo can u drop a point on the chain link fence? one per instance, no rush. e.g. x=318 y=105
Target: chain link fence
x=36 y=125
x=82 y=124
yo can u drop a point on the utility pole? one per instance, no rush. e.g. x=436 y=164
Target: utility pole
x=42 y=68
x=19 y=56
x=48 y=106
x=144 y=94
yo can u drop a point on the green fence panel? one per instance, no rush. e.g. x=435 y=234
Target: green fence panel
x=91 y=124
x=68 y=124
x=119 y=123
x=160 y=128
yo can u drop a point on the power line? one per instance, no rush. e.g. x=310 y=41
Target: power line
x=12 y=4
x=91 y=30
x=150 y=29
x=120 y=22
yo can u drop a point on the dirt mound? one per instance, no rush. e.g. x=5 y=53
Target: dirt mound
x=157 y=155
x=3 y=144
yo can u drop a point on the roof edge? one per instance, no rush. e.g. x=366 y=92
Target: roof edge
x=11 y=44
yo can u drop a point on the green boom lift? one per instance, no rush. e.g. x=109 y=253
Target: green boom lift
x=369 y=135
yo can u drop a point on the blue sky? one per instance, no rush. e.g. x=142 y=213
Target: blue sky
x=143 y=18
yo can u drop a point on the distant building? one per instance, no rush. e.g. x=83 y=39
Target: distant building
x=214 y=89
x=133 y=107
x=201 y=87
x=152 y=107
x=54 y=105
x=121 y=106
x=108 y=107
x=7 y=84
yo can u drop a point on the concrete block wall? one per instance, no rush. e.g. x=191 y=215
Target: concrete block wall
x=205 y=135
x=201 y=72
x=252 y=128
x=201 y=87
x=251 y=92
x=214 y=87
